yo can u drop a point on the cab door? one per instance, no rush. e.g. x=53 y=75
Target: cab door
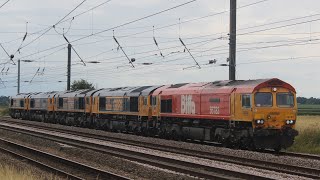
x=87 y=104
x=144 y=106
x=243 y=107
x=155 y=106
x=246 y=107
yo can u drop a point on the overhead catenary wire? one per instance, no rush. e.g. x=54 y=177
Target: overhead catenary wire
x=34 y=75
x=196 y=19
x=136 y=20
x=121 y=25
x=74 y=50
x=10 y=56
x=64 y=32
x=23 y=39
x=2 y=82
x=49 y=28
x=156 y=43
x=119 y=46
x=210 y=48
x=141 y=67
x=197 y=64
x=245 y=49
x=95 y=7
x=145 y=17
x=4 y=4
x=279 y=27
x=292 y=58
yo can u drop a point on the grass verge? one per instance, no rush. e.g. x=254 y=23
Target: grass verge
x=9 y=172
x=4 y=111
x=308 y=140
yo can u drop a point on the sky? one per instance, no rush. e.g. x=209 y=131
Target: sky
x=275 y=39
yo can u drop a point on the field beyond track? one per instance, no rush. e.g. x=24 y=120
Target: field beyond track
x=309 y=109
x=308 y=140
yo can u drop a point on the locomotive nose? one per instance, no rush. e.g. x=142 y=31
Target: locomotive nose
x=274 y=119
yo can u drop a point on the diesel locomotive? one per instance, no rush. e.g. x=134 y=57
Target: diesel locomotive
x=250 y=114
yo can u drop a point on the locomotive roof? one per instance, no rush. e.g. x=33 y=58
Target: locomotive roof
x=78 y=93
x=42 y=94
x=20 y=95
x=226 y=86
x=126 y=91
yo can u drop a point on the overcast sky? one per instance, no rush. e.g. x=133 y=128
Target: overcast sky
x=276 y=38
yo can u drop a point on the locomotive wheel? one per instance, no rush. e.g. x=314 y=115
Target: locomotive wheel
x=226 y=143
x=44 y=118
x=277 y=149
x=174 y=135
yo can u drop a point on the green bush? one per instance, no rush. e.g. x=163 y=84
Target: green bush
x=308 y=141
x=4 y=111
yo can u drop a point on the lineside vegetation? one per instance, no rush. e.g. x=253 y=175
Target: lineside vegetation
x=309 y=109
x=20 y=172
x=308 y=140
x=4 y=111
x=9 y=172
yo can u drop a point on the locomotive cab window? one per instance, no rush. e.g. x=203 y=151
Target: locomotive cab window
x=263 y=99
x=145 y=101
x=154 y=100
x=166 y=106
x=32 y=103
x=81 y=103
x=21 y=103
x=285 y=100
x=102 y=103
x=60 y=103
x=246 y=100
x=134 y=104
x=87 y=100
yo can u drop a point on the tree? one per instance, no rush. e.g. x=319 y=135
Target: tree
x=81 y=84
x=4 y=101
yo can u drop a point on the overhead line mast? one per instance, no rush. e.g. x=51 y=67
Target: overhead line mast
x=232 y=40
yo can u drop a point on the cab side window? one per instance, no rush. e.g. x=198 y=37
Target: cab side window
x=154 y=100
x=145 y=101
x=246 y=100
x=60 y=105
x=32 y=103
x=87 y=100
x=21 y=103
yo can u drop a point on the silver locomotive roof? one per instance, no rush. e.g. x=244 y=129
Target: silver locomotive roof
x=126 y=91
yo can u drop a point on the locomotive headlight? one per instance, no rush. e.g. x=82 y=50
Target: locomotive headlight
x=290 y=122
x=260 y=121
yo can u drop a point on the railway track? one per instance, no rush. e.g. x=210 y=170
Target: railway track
x=58 y=165
x=278 y=167
x=114 y=139
x=180 y=166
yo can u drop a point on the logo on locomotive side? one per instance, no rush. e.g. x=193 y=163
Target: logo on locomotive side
x=187 y=105
x=214 y=110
